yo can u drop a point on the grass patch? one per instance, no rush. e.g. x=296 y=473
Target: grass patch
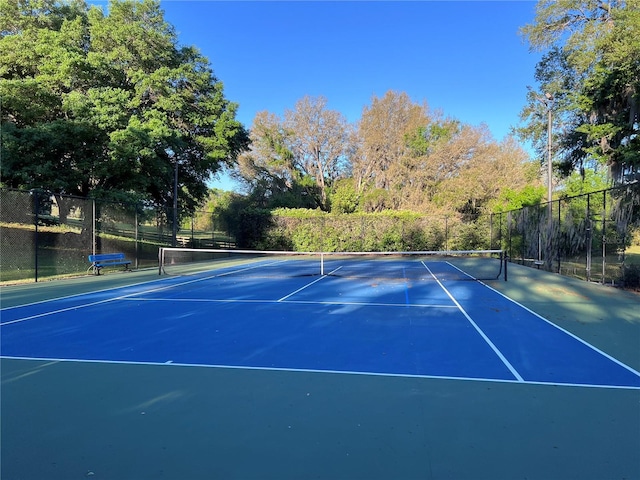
x=633 y=254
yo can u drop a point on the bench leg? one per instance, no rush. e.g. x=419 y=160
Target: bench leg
x=96 y=269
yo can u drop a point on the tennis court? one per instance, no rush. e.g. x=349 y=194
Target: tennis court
x=355 y=367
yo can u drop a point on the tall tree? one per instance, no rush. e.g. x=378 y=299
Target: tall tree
x=592 y=70
x=383 y=130
x=109 y=104
x=269 y=152
x=270 y=170
x=484 y=169
x=412 y=158
x=296 y=160
x=319 y=141
x=405 y=151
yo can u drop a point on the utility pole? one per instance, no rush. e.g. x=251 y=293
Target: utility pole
x=549 y=104
x=547 y=101
x=174 y=240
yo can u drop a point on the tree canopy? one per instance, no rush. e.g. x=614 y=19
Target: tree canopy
x=591 y=70
x=399 y=156
x=109 y=104
x=300 y=155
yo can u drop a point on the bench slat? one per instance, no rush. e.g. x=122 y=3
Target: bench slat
x=107 y=259
x=106 y=256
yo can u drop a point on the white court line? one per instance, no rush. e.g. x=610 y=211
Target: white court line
x=308 y=285
x=301 y=288
x=113 y=299
x=65 y=297
x=587 y=344
x=595 y=349
x=478 y=329
x=52 y=312
x=302 y=302
x=170 y=363
x=375 y=304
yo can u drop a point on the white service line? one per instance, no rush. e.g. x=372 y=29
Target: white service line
x=307 y=285
x=478 y=329
x=65 y=297
x=121 y=297
x=292 y=302
x=172 y=364
x=52 y=312
x=566 y=332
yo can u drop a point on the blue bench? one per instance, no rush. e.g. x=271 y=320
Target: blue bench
x=100 y=261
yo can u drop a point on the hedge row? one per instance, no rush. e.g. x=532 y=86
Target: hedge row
x=311 y=230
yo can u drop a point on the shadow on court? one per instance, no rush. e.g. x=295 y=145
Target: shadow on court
x=65 y=420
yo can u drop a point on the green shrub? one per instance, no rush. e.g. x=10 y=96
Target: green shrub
x=315 y=230
x=631 y=276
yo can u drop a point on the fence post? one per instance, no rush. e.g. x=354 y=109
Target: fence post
x=509 y=241
x=135 y=220
x=491 y=231
x=604 y=236
x=588 y=233
x=93 y=226
x=500 y=232
x=446 y=233
x=539 y=232
x=558 y=242
x=36 y=199
x=213 y=230
x=523 y=235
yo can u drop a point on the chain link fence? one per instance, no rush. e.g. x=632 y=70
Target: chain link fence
x=585 y=236
x=44 y=236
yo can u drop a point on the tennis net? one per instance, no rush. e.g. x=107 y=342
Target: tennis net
x=423 y=265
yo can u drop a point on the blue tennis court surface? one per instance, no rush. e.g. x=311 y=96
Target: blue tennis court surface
x=421 y=325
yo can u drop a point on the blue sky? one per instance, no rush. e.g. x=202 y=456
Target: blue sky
x=464 y=58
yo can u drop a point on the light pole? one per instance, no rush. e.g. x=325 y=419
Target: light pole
x=547 y=101
x=173 y=158
x=174 y=240
x=549 y=163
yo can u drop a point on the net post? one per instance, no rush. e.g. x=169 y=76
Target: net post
x=321 y=263
x=506 y=262
x=160 y=258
